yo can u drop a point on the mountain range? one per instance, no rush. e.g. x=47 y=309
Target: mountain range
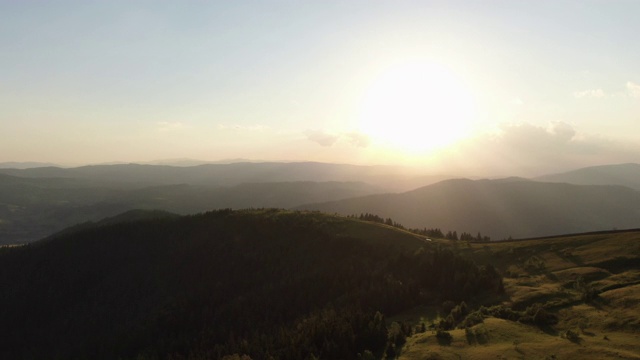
x=23 y=164
x=297 y=284
x=617 y=174
x=501 y=208
x=391 y=178
x=32 y=208
x=36 y=202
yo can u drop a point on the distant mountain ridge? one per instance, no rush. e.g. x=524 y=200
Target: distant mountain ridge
x=501 y=208
x=24 y=164
x=35 y=202
x=32 y=208
x=617 y=174
x=394 y=178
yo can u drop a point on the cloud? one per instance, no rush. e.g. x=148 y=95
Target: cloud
x=243 y=127
x=561 y=130
x=596 y=93
x=358 y=139
x=527 y=137
x=326 y=139
x=530 y=150
x=165 y=126
x=633 y=89
x=321 y=138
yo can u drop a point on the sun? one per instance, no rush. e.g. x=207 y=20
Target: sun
x=416 y=108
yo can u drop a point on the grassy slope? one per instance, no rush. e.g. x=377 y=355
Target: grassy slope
x=609 y=263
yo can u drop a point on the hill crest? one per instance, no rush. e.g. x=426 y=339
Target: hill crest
x=501 y=208
x=627 y=174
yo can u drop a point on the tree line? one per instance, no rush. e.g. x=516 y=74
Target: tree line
x=429 y=232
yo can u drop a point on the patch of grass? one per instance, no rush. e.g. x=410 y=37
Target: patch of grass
x=606 y=327
x=511 y=340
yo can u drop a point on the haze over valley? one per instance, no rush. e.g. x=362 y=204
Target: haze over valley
x=286 y=180
x=37 y=202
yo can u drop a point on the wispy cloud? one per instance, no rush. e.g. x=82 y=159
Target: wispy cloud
x=633 y=89
x=322 y=138
x=358 y=139
x=165 y=126
x=595 y=93
x=256 y=127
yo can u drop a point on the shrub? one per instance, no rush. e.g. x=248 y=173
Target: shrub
x=460 y=311
x=444 y=337
x=421 y=328
x=471 y=337
x=481 y=334
x=503 y=312
x=367 y=355
x=474 y=318
x=571 y=336
x=538 y=315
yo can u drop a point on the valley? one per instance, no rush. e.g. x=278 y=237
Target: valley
x=320 y=180
x=37 y=202
x=348 y=272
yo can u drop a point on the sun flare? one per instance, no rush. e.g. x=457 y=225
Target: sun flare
x=416 y=108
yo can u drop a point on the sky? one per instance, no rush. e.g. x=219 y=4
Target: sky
x=482 y=88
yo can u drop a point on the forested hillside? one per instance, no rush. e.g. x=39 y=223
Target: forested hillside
x=265 y=283
x=511 y=207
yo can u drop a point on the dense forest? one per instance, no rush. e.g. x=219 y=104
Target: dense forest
x=264 y=284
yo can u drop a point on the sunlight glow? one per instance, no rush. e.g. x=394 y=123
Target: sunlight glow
x=417 y=108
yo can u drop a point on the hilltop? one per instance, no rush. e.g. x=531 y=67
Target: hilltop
x=617 y=174
x=290 y=285
x=502 y=208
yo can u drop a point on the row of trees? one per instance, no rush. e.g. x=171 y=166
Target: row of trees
x=429 y=232
x=377 y=219
x=452 y=235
